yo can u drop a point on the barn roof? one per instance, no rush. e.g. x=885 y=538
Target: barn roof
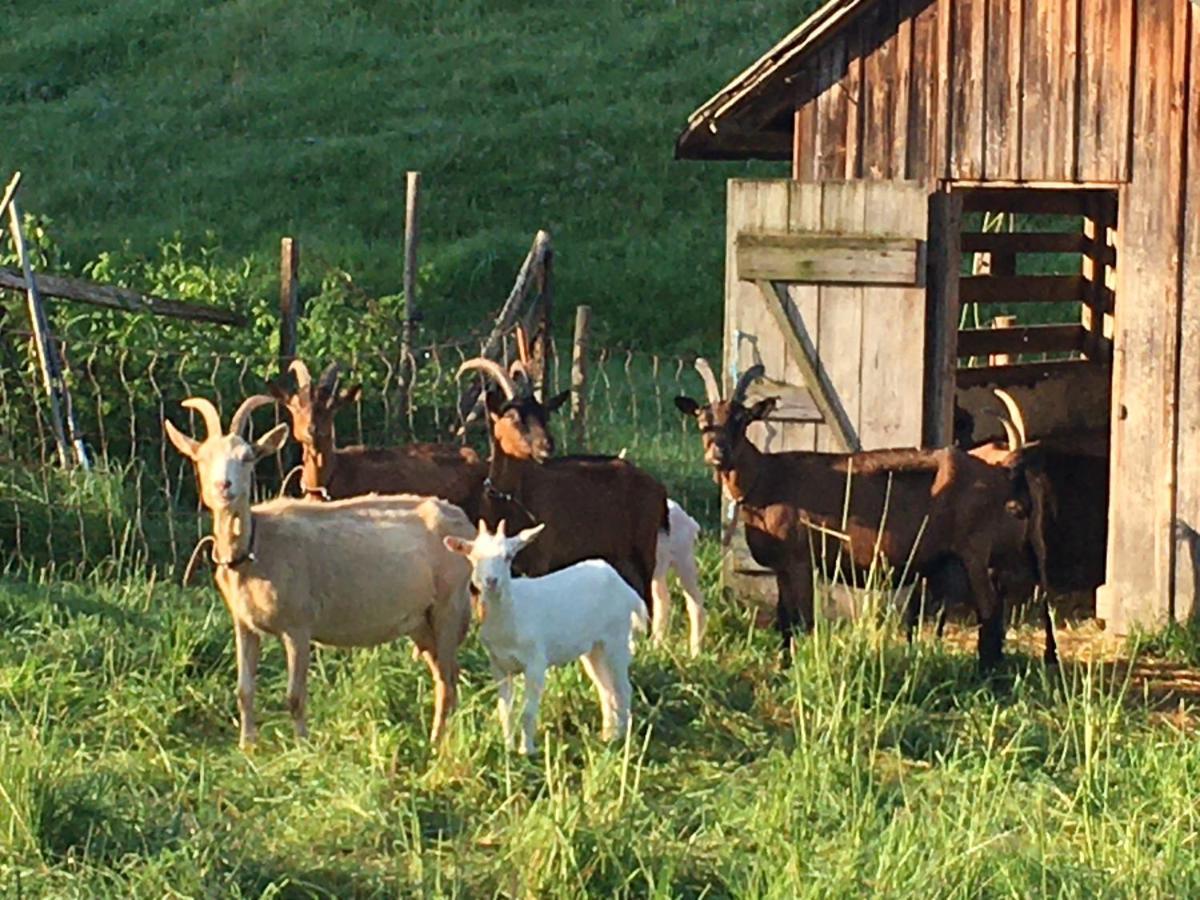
x=736 y=122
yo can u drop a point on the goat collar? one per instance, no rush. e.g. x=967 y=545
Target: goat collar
x=245 y=556
x=491 y=490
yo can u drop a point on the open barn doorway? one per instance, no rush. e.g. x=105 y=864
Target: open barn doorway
x=1034 y=273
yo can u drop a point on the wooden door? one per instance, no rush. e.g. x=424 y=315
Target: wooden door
x=825 y=287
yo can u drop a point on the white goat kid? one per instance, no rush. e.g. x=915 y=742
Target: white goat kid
x=353 y=573
x=586 y=611
x=677 y=550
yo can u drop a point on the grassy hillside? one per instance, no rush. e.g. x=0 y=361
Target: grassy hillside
x=233 y=123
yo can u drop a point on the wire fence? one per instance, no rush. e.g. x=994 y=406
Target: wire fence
x=137 y=507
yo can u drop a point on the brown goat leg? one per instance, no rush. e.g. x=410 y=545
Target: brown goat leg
x=783 y=618
x=990 y=610
x=1050 y=654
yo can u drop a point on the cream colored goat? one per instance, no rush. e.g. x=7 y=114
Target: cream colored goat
x=352 y=573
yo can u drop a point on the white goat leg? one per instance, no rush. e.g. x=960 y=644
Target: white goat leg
x=535 y=683
x=298 y=649
x=504 y=704
x=617 y=662
x=247 y=644
x=689 y=580
x=594 y=665
x=660 y=591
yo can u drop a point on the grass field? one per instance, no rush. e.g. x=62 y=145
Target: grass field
x=869 y=768
x=234 y=123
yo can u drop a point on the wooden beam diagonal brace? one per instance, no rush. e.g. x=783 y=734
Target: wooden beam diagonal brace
x=814 y=379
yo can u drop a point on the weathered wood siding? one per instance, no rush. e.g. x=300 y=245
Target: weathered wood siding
x=1187 y=512
x=998 y=90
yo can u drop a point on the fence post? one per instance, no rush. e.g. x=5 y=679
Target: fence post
x=1002 y=359
x=583 y=323
x=289 y=300
x=412 y=225
x=541 y=353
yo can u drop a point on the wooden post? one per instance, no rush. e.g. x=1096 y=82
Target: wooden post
x=1002 y=359
x=9 y=192
x=289 y=300
x=52 y=381
x=407 y=369
x=541 y=353
x=583 y=324
x=941 y=316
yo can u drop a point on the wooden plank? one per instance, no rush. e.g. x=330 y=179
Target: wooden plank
x=1002 y=242
x=924 y=81
x=1141 y=498
x=112 y=297
x=944 y=89
x=830 y=259
x=853 y=88
x=833 y=111
x=1105 y=53
x=1187 y=512
x=803 y=309
x=941 y=316
x=1097 y=297
x=804 y=142
x=1024 y=289
x=843 y=209
x=1041 y=202
x=882 y=88
x=1021 y=374
x=893 y=330
x=1002 y=150
x=833 y=416
x=1023 y=339
x=794 y=408
x=289 y=300
x=1049 y=79
x=967 y=88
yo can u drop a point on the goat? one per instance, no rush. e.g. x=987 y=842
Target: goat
x=595 y=507
x=676 y=550
x=352 y=573
x=912 y=508
x=585 y=611
x=328 y=472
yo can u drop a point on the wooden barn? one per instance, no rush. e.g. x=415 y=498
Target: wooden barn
x=941 y=152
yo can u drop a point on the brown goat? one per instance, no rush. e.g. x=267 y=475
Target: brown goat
x=916 y=510
x=329 y=472
x=594 y=507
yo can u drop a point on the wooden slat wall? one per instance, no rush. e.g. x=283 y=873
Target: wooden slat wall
x=1032 y=90
x=1142 y=497
x=1187 y=511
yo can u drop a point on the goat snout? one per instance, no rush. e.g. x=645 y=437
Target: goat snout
x=491 y=583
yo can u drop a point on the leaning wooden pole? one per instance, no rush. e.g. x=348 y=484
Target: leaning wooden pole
x=48 y=360
x=9 y=193
x=289 y=301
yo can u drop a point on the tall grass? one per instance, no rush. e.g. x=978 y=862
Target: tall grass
x=868 y=768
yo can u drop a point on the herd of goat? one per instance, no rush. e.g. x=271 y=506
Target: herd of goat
x=382 y=543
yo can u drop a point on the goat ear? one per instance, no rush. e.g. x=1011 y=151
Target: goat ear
x=457 y=545
x=272 y=441
x=763 y=408
x=525 y=538
x=189 y=447
x=687 y=406
x=557 y=400
x=347 y=396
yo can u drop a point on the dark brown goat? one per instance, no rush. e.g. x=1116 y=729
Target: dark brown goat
x=330 y=472
x=594 y=507
x=915 y=509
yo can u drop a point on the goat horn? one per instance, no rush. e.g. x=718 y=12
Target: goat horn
x=519 y=372
x=709 y=379
x=522 y=345
x=208 y=412
x=249 y=405
x=495 y=370
x=1014 y=413
x=300 y=370
x=327 y=383
x=747 y=378
x=1010 y=431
